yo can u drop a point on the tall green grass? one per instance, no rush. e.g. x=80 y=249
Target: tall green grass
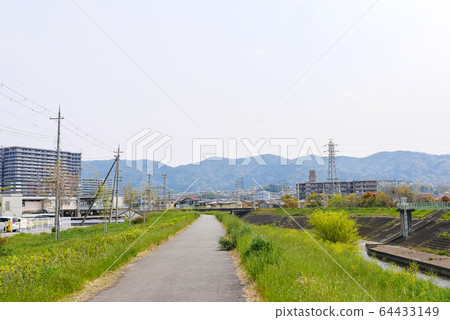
x=287 y=265
x=38 y=268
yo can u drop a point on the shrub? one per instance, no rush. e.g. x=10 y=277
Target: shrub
x=258 y=246
x=334 y=226
x=137 y=220
x=225 y=244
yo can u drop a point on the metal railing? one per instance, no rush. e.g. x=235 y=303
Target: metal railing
x=425 y=205
x=30 y=225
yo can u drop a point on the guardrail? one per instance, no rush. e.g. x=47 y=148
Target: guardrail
x=30 y=225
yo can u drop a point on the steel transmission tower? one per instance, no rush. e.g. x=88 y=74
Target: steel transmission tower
x=332 y=187
x=239 y=187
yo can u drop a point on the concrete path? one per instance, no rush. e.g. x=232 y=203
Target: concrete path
x=187 y=268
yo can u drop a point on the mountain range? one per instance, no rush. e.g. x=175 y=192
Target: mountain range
x=218 y=174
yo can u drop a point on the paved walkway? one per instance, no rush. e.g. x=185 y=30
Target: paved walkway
x=187 y=268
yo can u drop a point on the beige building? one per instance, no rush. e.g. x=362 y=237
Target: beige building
x=11 y=205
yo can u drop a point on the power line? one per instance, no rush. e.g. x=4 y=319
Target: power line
x=26 y=98
x=92 y=139
x=26 y=132
x=139 y=65
x=53 y=101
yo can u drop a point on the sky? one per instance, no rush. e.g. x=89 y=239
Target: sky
x=372 y=75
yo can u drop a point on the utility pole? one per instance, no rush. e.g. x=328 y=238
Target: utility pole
x=116 y=180
x=164 y=175
x=57 y=184
x=149 y=192
x=282 y=182
x=254 y=197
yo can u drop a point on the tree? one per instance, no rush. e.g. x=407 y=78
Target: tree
x=445 y=199
x=368 y=199
x=423 y=197
x=315 y=200
x=352 y=200
x=383 y=200
x=147 y=195
x=336 y=201
x=67 y=187
x=289 y=201
x=396 y=193
x=129 y=198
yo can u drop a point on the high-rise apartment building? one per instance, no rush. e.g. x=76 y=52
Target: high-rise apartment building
x=23 y=169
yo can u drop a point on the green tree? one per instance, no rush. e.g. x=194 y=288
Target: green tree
x=315 y=200
x=336 y=201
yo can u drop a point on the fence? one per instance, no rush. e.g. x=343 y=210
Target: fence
x=42 y=224
x=425 y=205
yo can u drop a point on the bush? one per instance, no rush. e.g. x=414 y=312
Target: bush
x=225 y=244
x=258 y=246
x=334 y=226
x=137 y=220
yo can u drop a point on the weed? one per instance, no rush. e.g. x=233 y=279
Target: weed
x=258 y=246
x=225 y=244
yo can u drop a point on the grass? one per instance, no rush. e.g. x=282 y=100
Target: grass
x=287 y=265
x=38 y=268
x=446 y=216
x=437 y=252
x=445 y=235
x=356 y=212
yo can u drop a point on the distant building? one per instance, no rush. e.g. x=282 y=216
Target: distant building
x=266 y=196
x=89 y=187
x=22 y=169
x=189 y=202
x=346 y=187
x=270 y=204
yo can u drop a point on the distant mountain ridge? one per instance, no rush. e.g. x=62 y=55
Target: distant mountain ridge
x=217 y=174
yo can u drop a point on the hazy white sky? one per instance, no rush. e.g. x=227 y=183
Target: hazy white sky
x=385 y=85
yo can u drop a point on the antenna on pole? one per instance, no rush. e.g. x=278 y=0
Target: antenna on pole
x=332 y=187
